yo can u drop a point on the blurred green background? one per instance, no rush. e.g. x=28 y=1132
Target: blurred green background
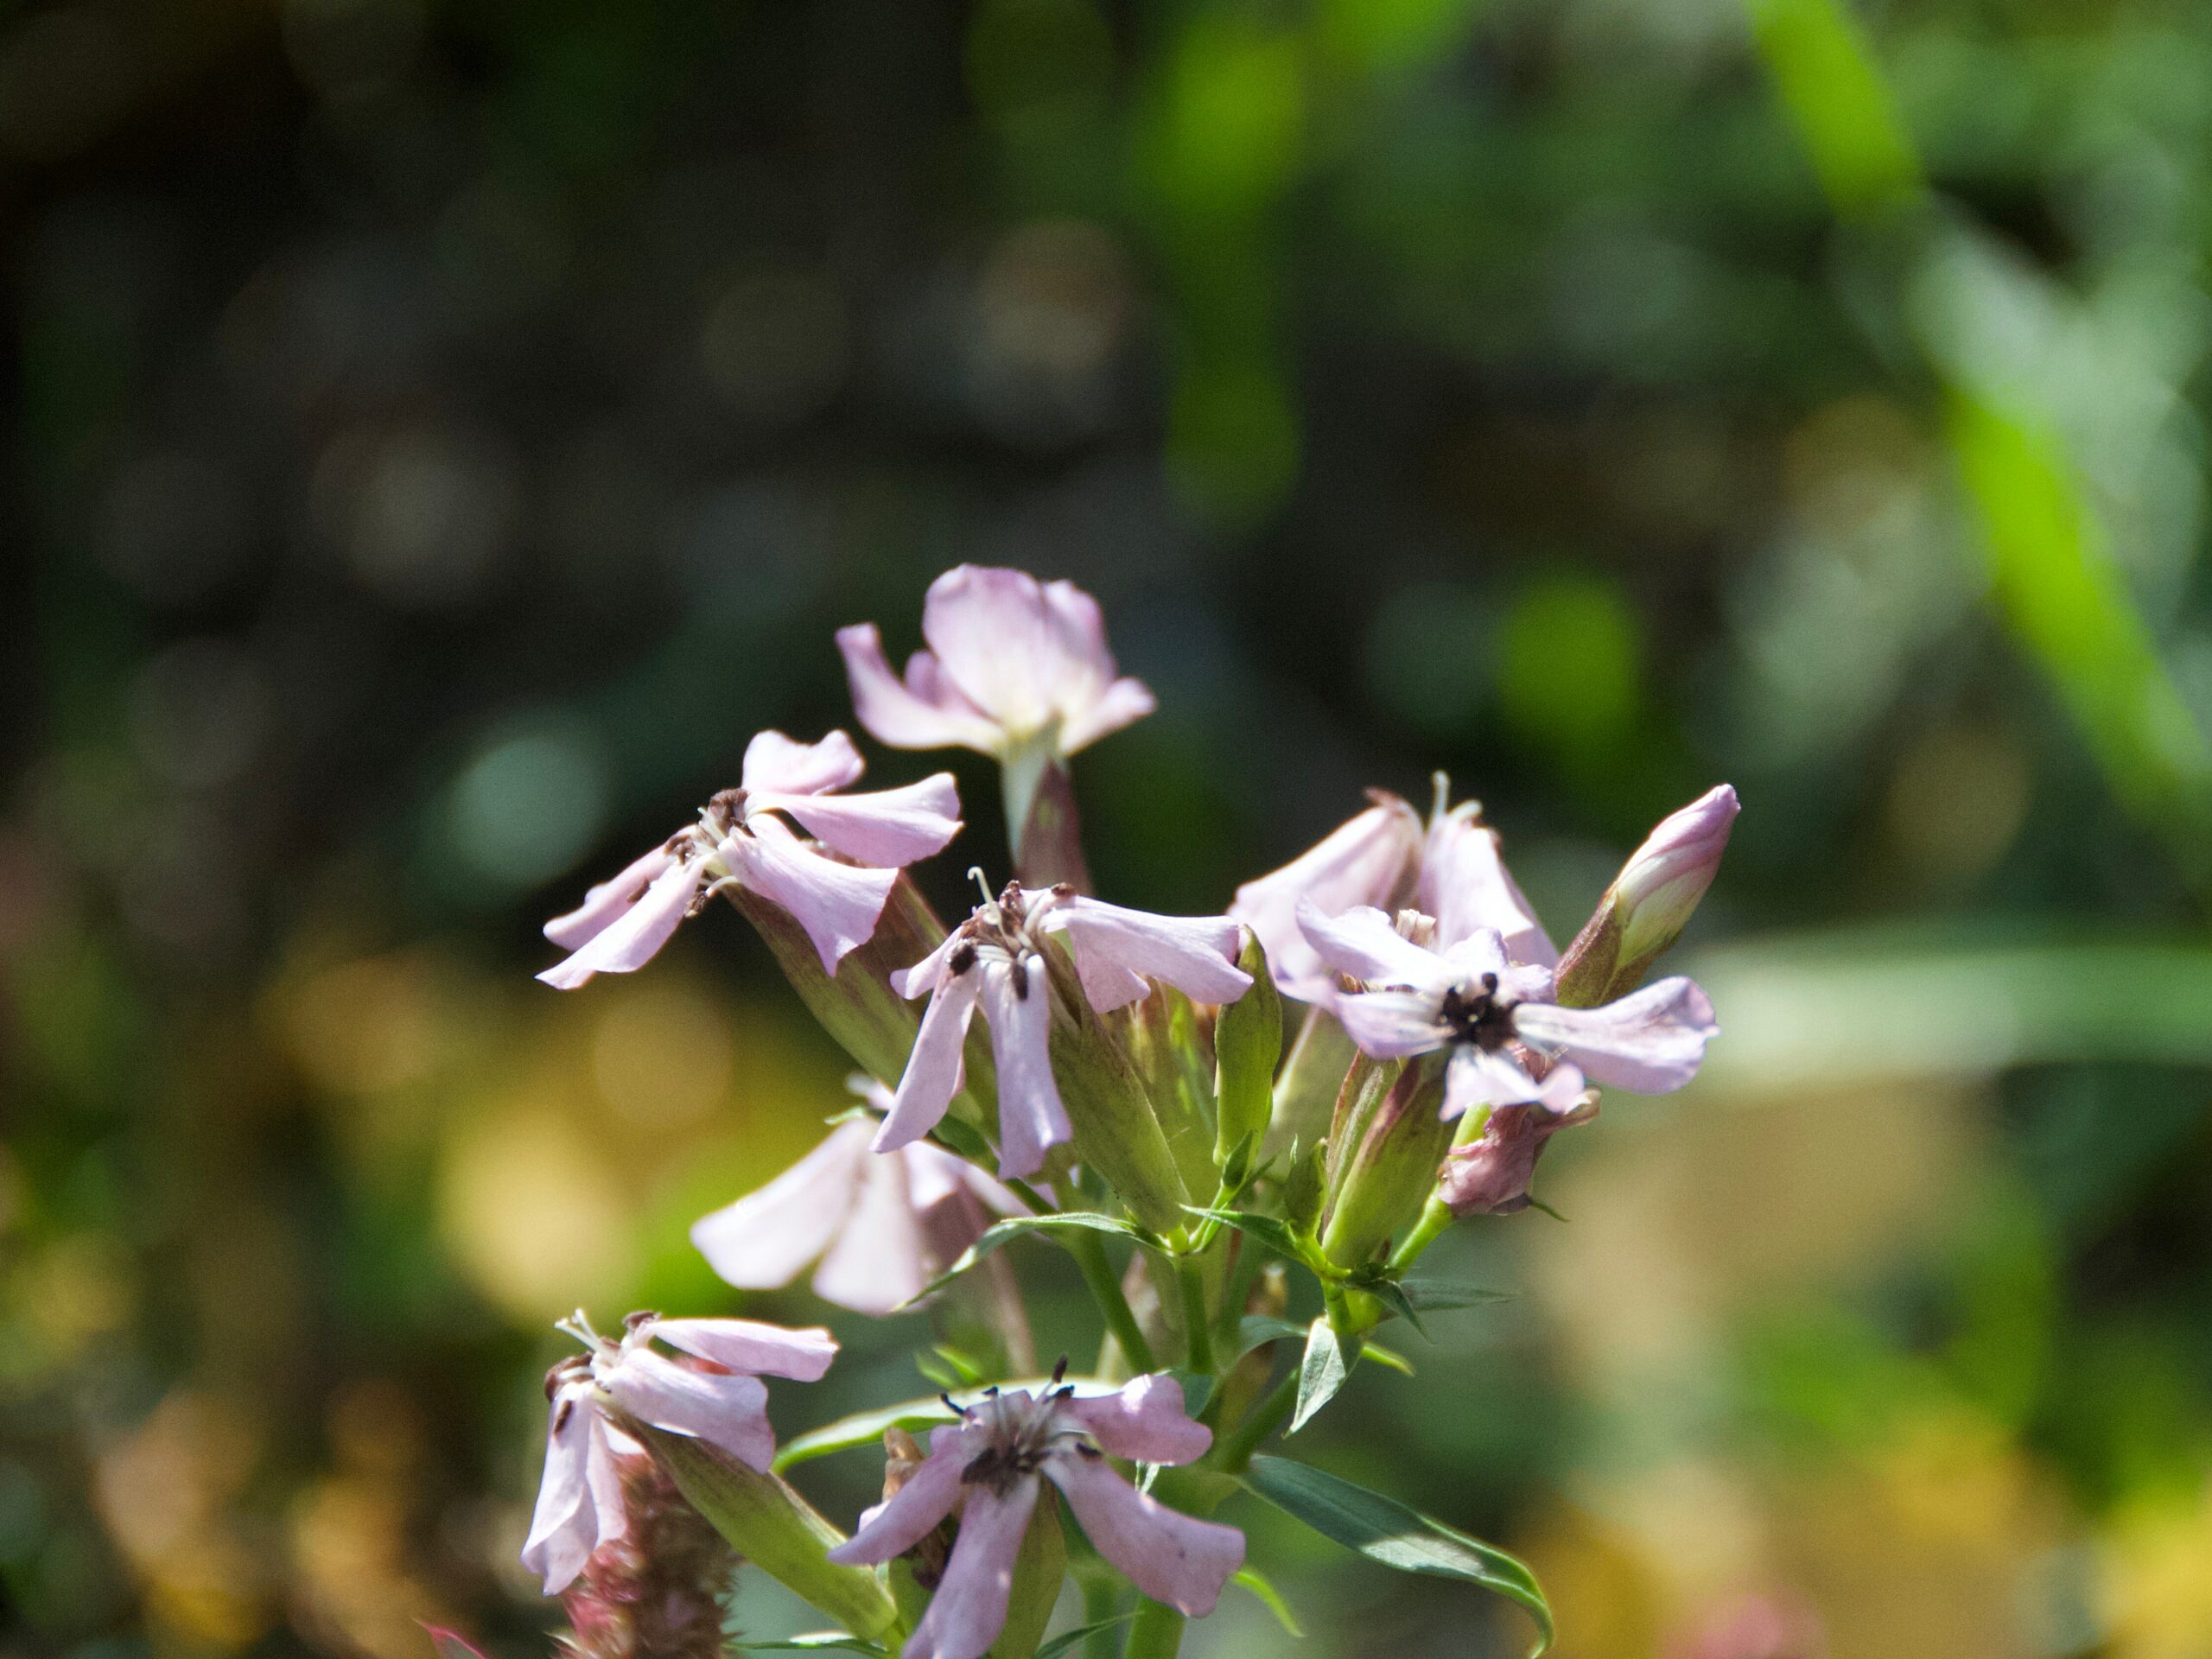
x=443 y=432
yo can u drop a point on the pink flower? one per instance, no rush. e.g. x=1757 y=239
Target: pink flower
x=994 y=959
x=1451 y=868
x=987 y=1468
x=741 y=837
x=881 y=1226
x=1012 y=664
x=714 y=1394
x=1661 y=884
x=1490 y=1012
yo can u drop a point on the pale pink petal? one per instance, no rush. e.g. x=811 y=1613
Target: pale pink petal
x=1479 y=952
x=1659 y=887
x=837 y=905
x=922 y=978
x=1122 y=703
x=933 y=1070
x=877 y=1263
x=1651 y=1040
x=993 y=1194
x=885 y=827
x=1144 y=1423
x=785 y=766
x=764 y=1239
x=723 y=1408
x=1172 y=1557
x=629 y=942
x=565 y=1528
x=609 y=899
x=1361 y=944
x=968 y=1609
x=1465 y=884
x=603 y=1475
x=899 y=715
x=911 y=1513
x=1031 y=1118
x=1364 y=861
x=1195 y=954
x=1393 y=1025
x=996 y=638
x=1476 y=1077
x=750 y=1346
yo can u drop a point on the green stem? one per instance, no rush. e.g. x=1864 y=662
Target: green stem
x=1233 y=1451
x=1198 y=1337
x=1100 y=1601
x=1089 y=1253
x=1436 y=1215
x=1157 y=1633
x=1037 y=1202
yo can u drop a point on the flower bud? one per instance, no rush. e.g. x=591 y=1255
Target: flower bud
x=1649 y=903
x=1490 y=1175
x=1247 y=1043
x=1385 y=1147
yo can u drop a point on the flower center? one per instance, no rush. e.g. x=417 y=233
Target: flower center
x=1477 y=1014
x=1024 y=1432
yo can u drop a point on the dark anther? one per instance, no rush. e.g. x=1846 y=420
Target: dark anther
x=950 y=1407
x=963 y=957
x=1020 y=979
x=1059 y=1371
x=1063 y=890
x=1490 y=984
x=561 y=1414
x=1085 y=1450
x=632 y=1321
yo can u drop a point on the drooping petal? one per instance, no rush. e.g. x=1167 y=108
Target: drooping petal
x=1122 y=703
x=1361 y=944
x=885 y=827
x=1491 y=1176
x=1172 y=1557
x=1031 y=1118
x=969 y=1607
x=1112 y=945
x=723 y=1408
x=902 y=713
x=780 y=765
x=629 y=942
x=837 y=905
x=751 y=1346
x=910 y=1514
x=1650 y=1041
x=1475 y=1077
x=603 y=1477
x=922 y=978
x=933 y=1070
x=609 y=899
x=1465 y=884
x=1144 y=1423
x=877 y=1261
x=1364 y=861
x=934 y=1175
x=766 y=1237
x=565 y=1527
x=1393 y=1025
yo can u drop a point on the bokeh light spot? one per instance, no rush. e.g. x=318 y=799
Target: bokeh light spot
x=530 y=803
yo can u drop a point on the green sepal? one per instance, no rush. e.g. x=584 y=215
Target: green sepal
x=1247 y=1047
x=772 y=1528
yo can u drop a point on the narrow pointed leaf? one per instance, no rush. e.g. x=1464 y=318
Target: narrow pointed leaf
x=1443 y=1295
x=1014 y=1226
x=1270 y=1598
x=1321 y=1373
x=1068 y=1641
x=1394 y=1535
x=1275 y=1234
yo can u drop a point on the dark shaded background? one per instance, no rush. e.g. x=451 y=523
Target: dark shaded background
x=444 y=432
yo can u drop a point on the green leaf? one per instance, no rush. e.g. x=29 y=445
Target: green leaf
x=1256 y=1329
x=1387 y=1356
x=1443 y=1295
x=813 y=1642
x=1387 y=1292
x=1276 y=1235
x=1015 y=1226
x=1270 y=1598
x=1067 y=1641
x=1387 y=1532
x=1321 y=1373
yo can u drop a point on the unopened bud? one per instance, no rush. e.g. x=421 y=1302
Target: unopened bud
x=1247 y=1043
x=1650 y=902
x=1490 y=1175
x=1385 y=1147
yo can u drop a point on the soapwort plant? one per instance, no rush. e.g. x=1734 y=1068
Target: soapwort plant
x=1206 y=1113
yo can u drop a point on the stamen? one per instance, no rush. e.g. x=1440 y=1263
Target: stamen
x=976 y=874
x=1060 y=1370
x=1441 y=782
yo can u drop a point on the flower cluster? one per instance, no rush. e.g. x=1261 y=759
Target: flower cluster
x=1129 y=1070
